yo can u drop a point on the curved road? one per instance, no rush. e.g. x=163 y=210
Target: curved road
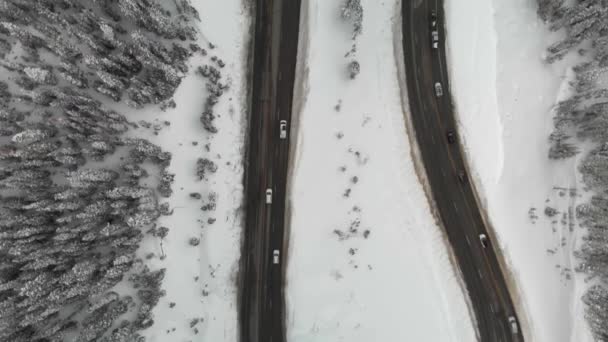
x=432 y=118
x=261 y=300
x=275 y=45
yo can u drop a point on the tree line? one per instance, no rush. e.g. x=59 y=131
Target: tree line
x=69 y=231
x=583 y=116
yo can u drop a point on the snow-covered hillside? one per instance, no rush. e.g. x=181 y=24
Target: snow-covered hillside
x=84 y=85
x=503 y=92
x=366 y=260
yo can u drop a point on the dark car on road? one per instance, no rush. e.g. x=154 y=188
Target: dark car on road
x=462 y=176
x=451 y=137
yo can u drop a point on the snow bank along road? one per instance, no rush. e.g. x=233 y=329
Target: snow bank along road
x=261 y=280
x=433 y=118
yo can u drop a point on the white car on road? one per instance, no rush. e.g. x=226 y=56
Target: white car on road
x=275 y=256
x=513 y=325
x=483 y=239
x=283 y=129
x=438 y=89
x=268 y=196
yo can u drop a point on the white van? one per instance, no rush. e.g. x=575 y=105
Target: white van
x=513 y=325
x=435 y=39
x=283 y=129
x=438 y=89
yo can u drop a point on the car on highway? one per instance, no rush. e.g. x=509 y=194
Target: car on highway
x=438 y=89
x=435 y=39
x=462 y=176
x=451 y=137
x=268 y=196
x=434 y=31
x=276 y=254
x=513 y=325
x=483 y=239
x=283 y=129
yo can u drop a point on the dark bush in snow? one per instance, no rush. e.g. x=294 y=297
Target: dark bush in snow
x=353 y=69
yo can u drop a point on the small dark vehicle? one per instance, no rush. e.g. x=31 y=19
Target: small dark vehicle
x=483 y=239
x=451 y=137
x=462 y=177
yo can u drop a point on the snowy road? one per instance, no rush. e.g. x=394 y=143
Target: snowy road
x=504 y=91
x=432 y=118
x=261 y=282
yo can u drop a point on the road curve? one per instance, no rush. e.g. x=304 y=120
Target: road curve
x=261 y=300
x=432 y=117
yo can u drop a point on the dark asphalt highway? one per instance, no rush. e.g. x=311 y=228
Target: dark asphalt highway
x=261 y=298
x=432 y=118
x=275 y=45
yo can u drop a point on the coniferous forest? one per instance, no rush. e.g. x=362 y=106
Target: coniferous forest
x=73 y=209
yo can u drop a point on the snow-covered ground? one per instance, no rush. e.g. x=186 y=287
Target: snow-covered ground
x=366 y=260
x=503 y=93
x=201 y=280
